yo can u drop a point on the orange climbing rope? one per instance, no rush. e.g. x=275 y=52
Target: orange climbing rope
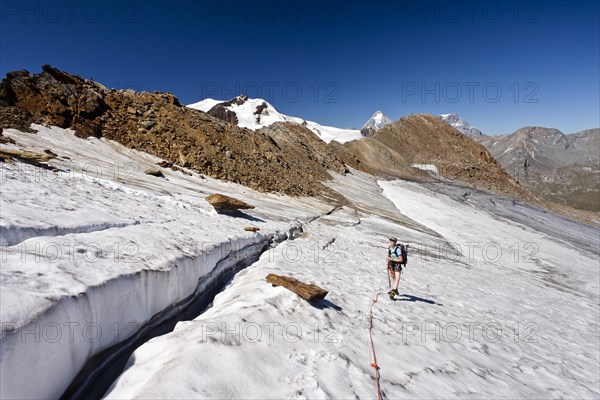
x=374 y=363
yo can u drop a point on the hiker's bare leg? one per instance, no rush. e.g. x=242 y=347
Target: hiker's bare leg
x=392 y=277
x=396 y=279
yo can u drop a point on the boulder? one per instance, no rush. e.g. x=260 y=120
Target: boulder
x=225 y=203
x=308 y=292
x=148 y=124
x=154 y=172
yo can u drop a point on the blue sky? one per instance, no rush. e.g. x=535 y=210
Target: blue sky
x=501 y=65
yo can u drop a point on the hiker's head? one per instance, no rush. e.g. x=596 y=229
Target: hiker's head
x=393 y=240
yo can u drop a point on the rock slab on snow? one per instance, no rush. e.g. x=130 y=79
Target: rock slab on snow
x=26 y=156
x=154 y=172
x=225 y=203
x=308 y=292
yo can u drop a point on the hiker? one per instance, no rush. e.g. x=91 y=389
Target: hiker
x=394 y=265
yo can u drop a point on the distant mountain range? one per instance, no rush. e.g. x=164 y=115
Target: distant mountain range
x=562 y=168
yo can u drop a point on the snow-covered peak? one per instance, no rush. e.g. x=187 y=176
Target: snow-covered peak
x=257 y=113
x=205 y=105
x=377 y=121
x=460 y=124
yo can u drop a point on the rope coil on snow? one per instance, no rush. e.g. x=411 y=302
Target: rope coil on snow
x=374 y=363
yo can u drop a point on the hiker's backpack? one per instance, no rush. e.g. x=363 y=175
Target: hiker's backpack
x=403 y=252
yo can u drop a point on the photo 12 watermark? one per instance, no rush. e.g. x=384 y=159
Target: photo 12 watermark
x=68 y=332
x=292 y=12
x=268 y=332
x=69 y=251
x=470 y=331
x=490 y=252
x=70 y=172
x=468 y=12
x=273 y=91
x=469 y=91
x=69 y=12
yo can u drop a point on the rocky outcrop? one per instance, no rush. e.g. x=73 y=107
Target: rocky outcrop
x=219 y=111
x=222 y=203
x=222 y=112
x=54 y=97
x=260 y=109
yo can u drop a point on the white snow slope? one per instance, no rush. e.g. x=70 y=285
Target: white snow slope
x=248 y=119
x=499 y=300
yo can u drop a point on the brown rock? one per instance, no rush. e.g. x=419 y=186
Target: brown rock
x=26 y=156
x=164 y=164
x=154 y=172
x=225 y=203
x=308 y=292
x=252 y=229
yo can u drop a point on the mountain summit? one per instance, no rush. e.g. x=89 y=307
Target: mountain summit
x=460 y=124
x=377 y=121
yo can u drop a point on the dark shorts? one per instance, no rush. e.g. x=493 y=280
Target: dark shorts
x=396 y=267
